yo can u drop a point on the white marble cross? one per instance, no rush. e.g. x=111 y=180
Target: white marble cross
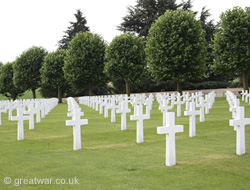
x=139 y=117
x=206 y=104
x=233 y=107
x=170 y=129
x=113 y=108
x=11 y=107
x=242 y=95
x=239 y=126
x=201 y=105
x=179 y=103
x=101 y=103
x=192 y=123
x=123 y=110
x=38 y=111
x=187 y=99
x=31 y=112
x=43 y=109
x=20 y=118
x=101 y=108
x=76 y=122
x=97 y=103
x=106 y=104
x=247 y=97
x=164 y=109
x=135 y=101
x=148 y=103
x=172 y=97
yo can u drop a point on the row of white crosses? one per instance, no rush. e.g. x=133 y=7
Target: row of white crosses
x=202 y=104
x=169 y=128
x=245 y=95
x=74 y=111
x=34 y=107
x=120 y=104
x=167 y=103
x=233 y=102
x=238 y=121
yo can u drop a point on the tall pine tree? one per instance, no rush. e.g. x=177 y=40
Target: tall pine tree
x=140 y=17
x=209 y=28
x=73 y=29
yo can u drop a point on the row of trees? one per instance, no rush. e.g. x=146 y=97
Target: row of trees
x=175 y=47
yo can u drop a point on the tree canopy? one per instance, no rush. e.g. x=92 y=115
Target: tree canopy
x=27 y=69
x=73 y=29
x=84 y=62
x=140 y=17
x=7 y=87
x=176 y=47
x=125 y=59
x=232 y=43
x=52 y=71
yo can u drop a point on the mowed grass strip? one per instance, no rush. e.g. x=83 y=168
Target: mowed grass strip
x=111 y=158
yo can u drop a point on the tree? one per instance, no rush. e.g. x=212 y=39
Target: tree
x=52 y=71
x=140 y=18
x=84 y=62
x=232 y=43
x=207 y=26
x=125 y=59
x=27 y=69
x=209 y=29
x=73 y=29
x=176 y=47
x=7 y=87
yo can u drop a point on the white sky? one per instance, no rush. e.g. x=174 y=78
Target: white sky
x=27 y=23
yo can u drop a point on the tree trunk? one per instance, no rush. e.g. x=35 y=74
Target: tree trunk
x=128 y=89
x=14 y=96
x=90 y=89
x=59 y=94
x=245 y=80
x=179 y=87
x=34 y=93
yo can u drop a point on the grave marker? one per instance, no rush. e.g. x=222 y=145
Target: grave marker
x=113 y=108
x=123 y=111
x=192 y=123
x=31 y=112
x=76 y=122
x=20 y=118
x=239 y=126
x=201 y=105
x=139 y=117
x=170 y=129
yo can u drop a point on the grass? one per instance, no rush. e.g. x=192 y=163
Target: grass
x=111 y=158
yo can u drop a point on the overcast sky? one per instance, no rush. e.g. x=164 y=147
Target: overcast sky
x=27 y=23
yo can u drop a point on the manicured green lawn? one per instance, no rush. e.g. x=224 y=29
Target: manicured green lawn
x=111 y=158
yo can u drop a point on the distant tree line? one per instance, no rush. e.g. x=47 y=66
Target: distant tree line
x=164 y=46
